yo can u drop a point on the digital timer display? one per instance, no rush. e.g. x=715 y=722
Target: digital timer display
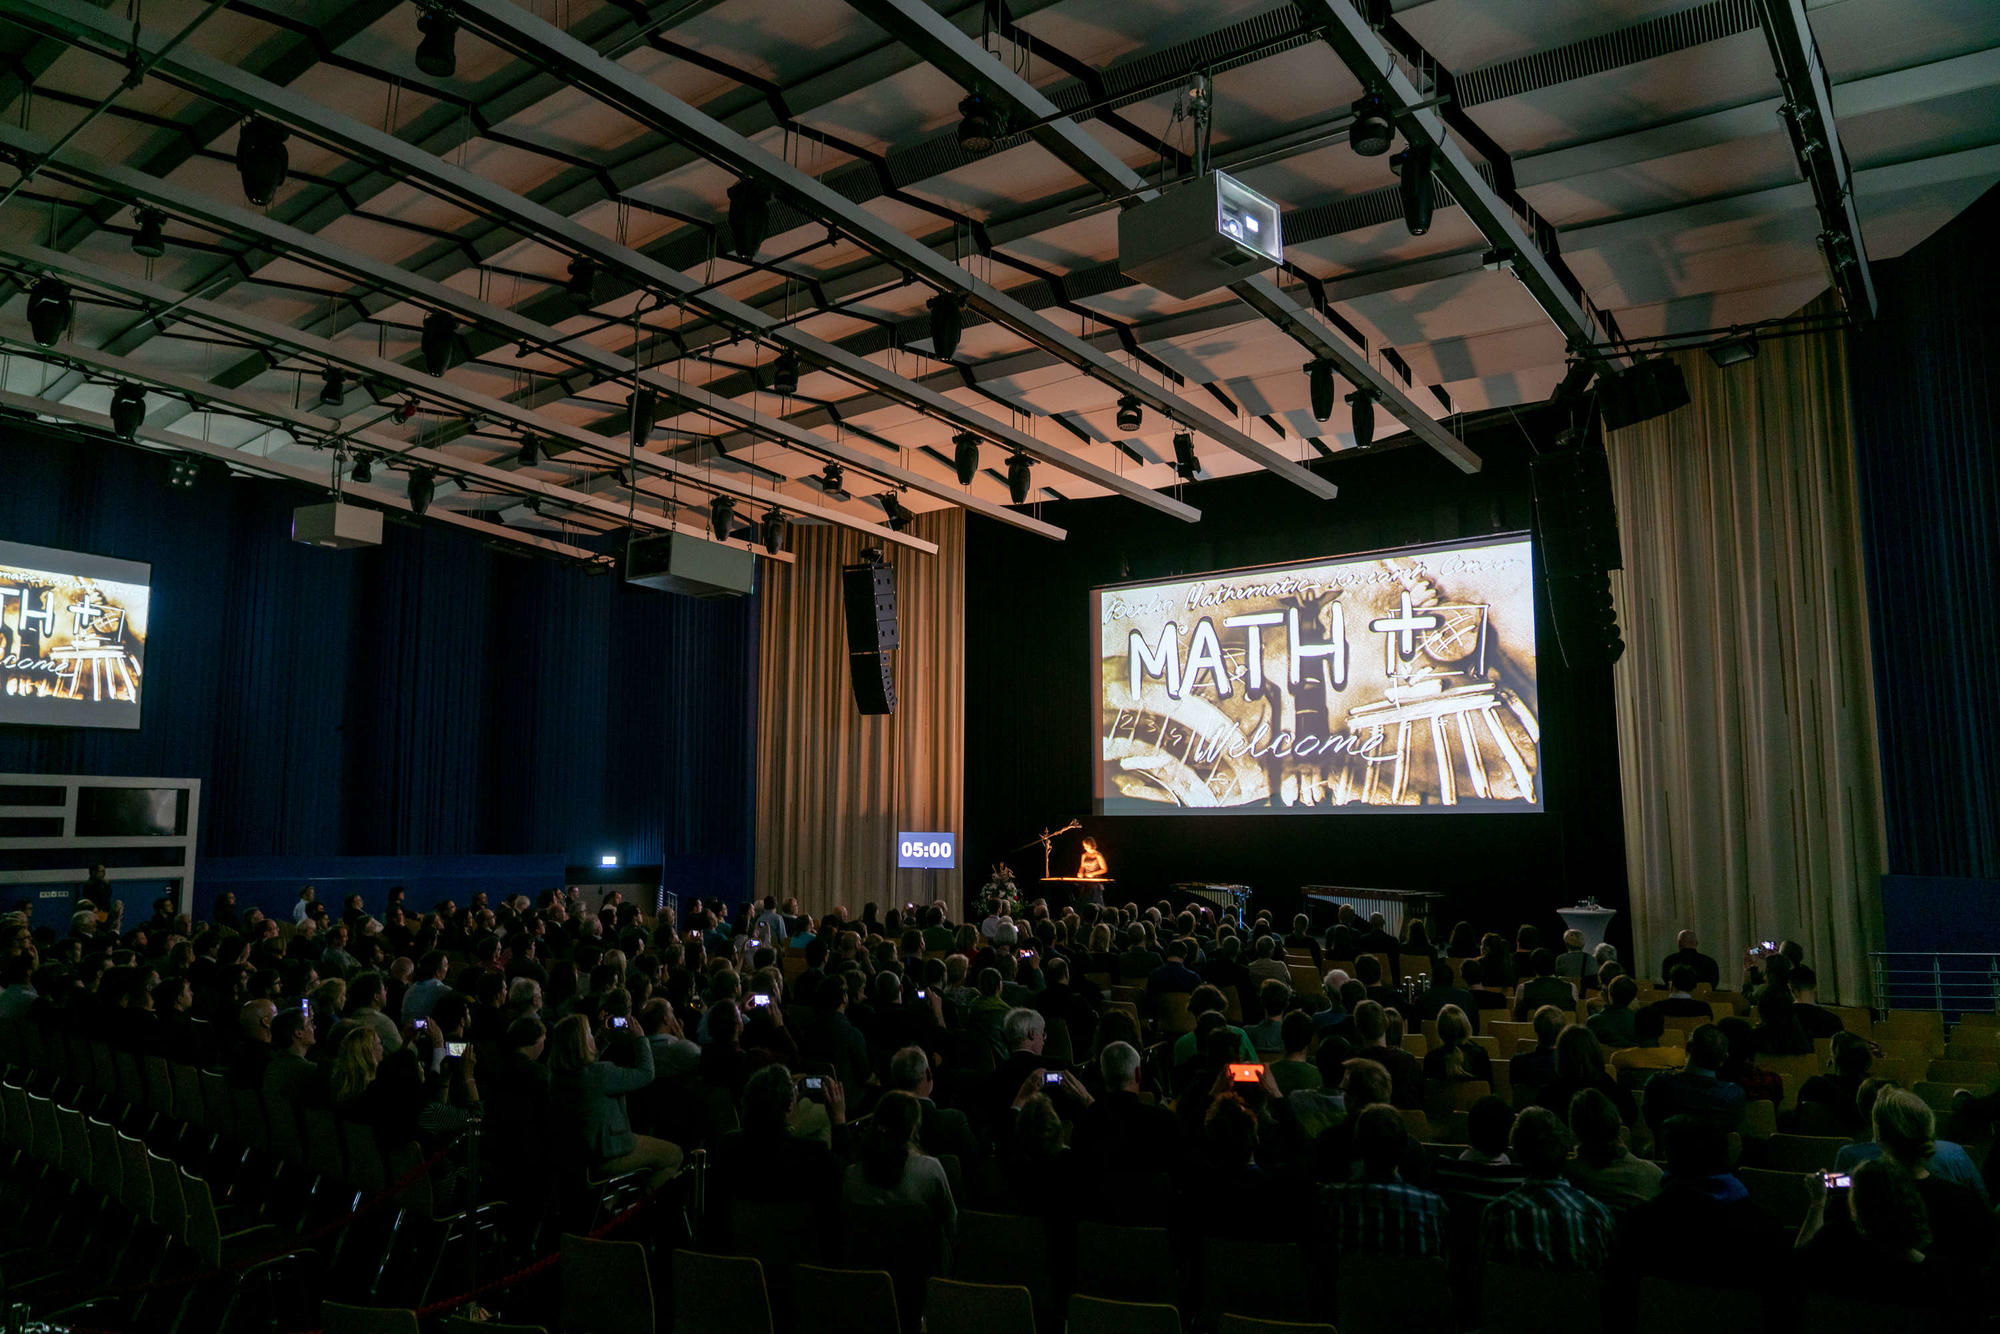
x=937 y=851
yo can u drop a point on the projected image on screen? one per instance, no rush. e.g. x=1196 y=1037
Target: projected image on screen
x=1402 y=680
x=72 y=637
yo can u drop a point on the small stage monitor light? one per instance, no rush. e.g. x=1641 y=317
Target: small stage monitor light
x=1200 y=235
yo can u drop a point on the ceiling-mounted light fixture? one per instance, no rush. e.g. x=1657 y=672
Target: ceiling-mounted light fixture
x=1361 y=407
x=1186 y=463
x=1418 y=187
x=832 y=480
x=261 y=158
x=945 y=325
x=581 y=286
x=184 y=473
x=332 y=387
x=641 y=408
x=128 y=409
x=1131 y=412
x=405 y=410
x=980 y=123
x=437 y=55
x=364 y=471
x=749 y=217
x=423 y=488
x=435 y=342
x=899 y=514
x=1370 y=134
x=1319 y=382
x=150 y=240
x=721 y=517
x=1020 y=474
x=50 y=306
x=785 y=373
x=1733 y=350
x=965 y=456
x=772 y=528
x=531 y=452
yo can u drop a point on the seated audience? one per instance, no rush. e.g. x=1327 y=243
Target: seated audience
x=1836 y=1093
x=1604 y=1167
x=1697 y=1089
x=1687 y=955
x=1378 y=1213
x=1546 y=1223
x=1456 y=1057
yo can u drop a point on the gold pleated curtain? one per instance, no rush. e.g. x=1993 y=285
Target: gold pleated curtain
x=833 y=787
x=1746 y=718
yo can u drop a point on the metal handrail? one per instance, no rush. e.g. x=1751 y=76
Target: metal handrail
x=1946 y=981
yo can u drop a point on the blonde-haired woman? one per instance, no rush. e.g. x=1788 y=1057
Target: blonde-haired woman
x=595 y=1090
x=354 y=1066
x=1456 y=1056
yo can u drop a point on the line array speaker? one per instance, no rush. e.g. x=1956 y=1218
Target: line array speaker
x=868 y=593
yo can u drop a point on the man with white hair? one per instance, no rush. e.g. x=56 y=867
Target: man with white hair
x=1024 y=1031
x=1118 y=1134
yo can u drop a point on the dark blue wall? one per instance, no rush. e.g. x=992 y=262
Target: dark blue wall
x=430 y=696
x=1926 y=388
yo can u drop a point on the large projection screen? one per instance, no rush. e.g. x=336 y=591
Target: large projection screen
x=72 y=637
x=1393 y=681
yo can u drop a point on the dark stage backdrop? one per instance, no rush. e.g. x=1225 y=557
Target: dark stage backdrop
x=1031 y=697
x=1925 y=381
x=429 y=696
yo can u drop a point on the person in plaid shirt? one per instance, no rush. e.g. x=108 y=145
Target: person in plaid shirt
x=1380 y=1214
x=1547 y=1223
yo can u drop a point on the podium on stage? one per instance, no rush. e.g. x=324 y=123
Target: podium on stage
x=1074 y=889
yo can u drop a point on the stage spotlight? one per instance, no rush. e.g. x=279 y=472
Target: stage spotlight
x=773 y=526
x=1185 y=461
x=50 y=306
x=261 y=159
x=1020 y=473
x=1130 y=413
x=965 y=456
x=1361 y=407
x=364 y=471
x=1418 y=187
x=1371 y=133
x=405 y=410
x=832 y=480
x=980 y=124
x=423 y=488
x=945 y=324
x=1733 y=350
x=332 y=387
x=749 y=217
x=435 y=341
x=785 y=373
x=1319 y=380
x=721 y=517
x=899 y=514
x=186 y=471
x=531 y=452
x=128 y=409
x=436 y=53
x=582 y=285
x=151 y=238
x=642 y=408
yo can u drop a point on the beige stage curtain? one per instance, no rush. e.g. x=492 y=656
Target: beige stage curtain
x=1746 y=719
x=834 y=787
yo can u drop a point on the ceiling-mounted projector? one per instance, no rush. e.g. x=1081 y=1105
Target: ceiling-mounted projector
x=336 y=525
x=1203 y=234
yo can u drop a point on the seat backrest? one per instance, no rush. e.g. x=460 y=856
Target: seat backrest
x=720 y=1294
x=248 y=1104
x=606 y=1287
x=1101 y=1315
x=1827 y=1311
x=1804 y=1153
x=131 y=1078
x=1782 y=1195
x=159 y=1085
x=336 y=1318
x=107 y=1172
x=1266 y=1279
x=778 y=1235
x=169 y=1209
x=1130 y=1264
x=135 y=1179
x=1517 y=1300
x=204 y=1232
x=844 y=1301
x=1004 y=1249
x=1249 y=1324
x=188 y=1108
x=75 y=1158
x=1666 y=1307
x=978 y=1308
x=282 y=1120
x=215 y=1102
x=1385 y=1294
